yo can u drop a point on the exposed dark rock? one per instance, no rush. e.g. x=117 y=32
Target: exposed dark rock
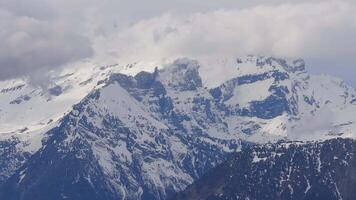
x=313 y=170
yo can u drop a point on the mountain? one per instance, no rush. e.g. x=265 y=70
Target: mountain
x=285 y=170
x=100 y=134
x=28 y=111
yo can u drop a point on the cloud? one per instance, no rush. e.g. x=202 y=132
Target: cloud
x=33 y=40
x=41 y=35
x=321 y=29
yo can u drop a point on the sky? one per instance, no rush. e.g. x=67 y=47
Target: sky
x=43 y=35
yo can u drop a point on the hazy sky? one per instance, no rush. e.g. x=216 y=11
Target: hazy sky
x=40 y=35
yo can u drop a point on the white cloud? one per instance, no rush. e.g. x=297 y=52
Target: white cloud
x=319 y=29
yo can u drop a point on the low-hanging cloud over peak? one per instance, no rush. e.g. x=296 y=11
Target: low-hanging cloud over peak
x=288 y=30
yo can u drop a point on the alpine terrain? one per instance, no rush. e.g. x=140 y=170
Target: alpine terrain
x=99 y=133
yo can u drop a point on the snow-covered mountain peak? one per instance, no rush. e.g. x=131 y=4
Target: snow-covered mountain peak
x=252 y=86
x=215 y=71
x=260 y=64
x=25 y=107
x=182 y=74
x=277 y=93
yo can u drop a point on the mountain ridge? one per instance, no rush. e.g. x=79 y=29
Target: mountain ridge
x=284 y=170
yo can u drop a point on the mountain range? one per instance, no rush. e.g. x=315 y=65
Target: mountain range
x=99 y=133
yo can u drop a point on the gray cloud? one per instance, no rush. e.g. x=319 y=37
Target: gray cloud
x=34 y=40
